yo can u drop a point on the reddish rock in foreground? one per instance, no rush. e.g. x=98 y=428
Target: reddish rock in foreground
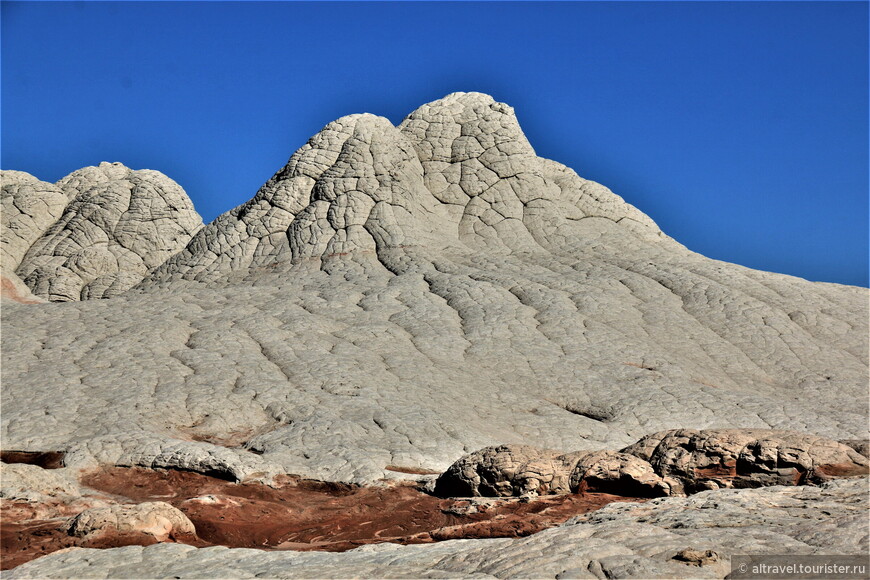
x=295 y=514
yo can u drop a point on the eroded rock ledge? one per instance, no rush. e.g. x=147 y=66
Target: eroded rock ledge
x=675 y=462
x=674 y=537
x=529 y=490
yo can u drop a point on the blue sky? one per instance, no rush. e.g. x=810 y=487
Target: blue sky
x=740 y=127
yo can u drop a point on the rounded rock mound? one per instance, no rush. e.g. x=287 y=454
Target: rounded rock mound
x=29 y=208
x=119 y=225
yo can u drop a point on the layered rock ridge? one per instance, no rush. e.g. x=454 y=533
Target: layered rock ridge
x=400 y=296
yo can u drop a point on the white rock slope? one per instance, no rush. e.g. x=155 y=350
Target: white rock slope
x=401 y=296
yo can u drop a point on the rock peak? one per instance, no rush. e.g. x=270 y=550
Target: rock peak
x=456 y=173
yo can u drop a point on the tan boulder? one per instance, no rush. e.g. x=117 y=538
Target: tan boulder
x=156 y=519
x=617 y=473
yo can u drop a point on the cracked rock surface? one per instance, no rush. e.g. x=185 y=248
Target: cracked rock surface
x=32 y=484
x=400 y=296
x=509 y=470
x=95 y=233
x=673 y=462
x=675 y=537
x=746 y=458
x=29 y=208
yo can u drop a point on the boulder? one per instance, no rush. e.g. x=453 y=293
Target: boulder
x=508 y=470
x=617 y=473
x=158 y=520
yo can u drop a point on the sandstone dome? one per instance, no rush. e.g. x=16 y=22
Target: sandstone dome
x=396 y=295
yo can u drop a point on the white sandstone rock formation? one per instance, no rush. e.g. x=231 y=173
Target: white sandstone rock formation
x=401 y=296
x=117 y=226
x=29 y=208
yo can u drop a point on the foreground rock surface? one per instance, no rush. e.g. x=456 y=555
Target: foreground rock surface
x=44 y=511
x=135 y=506
x=691 y=537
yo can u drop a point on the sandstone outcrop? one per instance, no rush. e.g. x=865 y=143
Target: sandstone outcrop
x=615 y=472
x=29 y=208
x=672 y=462
x=456 y=173
x=710 y=459
x=396 y=297
x=100 y=230
x=507 y=470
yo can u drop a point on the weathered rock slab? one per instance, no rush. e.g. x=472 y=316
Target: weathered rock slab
x=655 y=539
x=709 y=459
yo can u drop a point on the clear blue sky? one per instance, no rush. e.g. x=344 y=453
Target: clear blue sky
x=741 y=128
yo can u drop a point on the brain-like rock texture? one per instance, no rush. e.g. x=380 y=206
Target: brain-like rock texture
x=508 y=470
x=29 y=208
x=746 y=458
x=399 y=296
x=616 y=472
x=457 y=174
x=667 y=463
x=118 y=225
